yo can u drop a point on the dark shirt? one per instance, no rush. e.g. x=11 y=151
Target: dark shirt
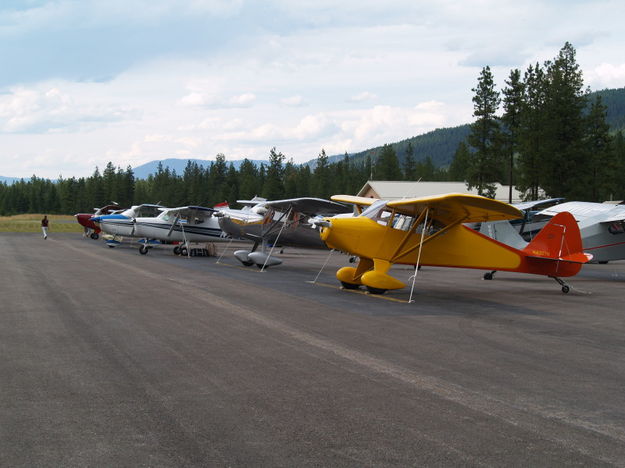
x=44 y=222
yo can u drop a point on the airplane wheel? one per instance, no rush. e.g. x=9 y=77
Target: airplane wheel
x=603 y=262
x=111 y=246
x=375 y=290
x=349 y=285
x=143 y=250
x=352 y=259
x=488 y=276
x=565 y=289
x=94 y=235
x=183 y=251
x=176 y=250
x=248 y=263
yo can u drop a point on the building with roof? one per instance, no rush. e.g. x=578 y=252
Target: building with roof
x=394 y=189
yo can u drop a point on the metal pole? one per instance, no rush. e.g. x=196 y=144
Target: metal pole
x=416 y=268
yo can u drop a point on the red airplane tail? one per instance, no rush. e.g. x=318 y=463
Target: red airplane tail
x=559 y=240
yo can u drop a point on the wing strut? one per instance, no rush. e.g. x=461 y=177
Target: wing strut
x=416 y=267
x=276 y=241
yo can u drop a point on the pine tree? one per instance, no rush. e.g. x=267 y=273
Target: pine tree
x=321 y=177
x=532 y=133
x=564 y=162
x=460 y=165
x=273 y=188
x=387 y=165
x=603 y=162
x=511 y=119
x=619 y=155
x=409 y=163
x=484 y=167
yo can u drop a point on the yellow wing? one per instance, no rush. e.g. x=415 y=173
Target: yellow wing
x=354 y=200
x=452 y=207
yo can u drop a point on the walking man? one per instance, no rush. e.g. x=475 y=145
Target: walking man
x=44 y=226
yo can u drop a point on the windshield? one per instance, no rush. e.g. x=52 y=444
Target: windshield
x=373 y=210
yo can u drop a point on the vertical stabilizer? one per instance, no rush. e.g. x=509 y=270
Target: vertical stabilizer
x=560 y=239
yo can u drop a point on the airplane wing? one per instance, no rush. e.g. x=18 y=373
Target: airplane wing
x=452 y=207
x=254 y=201
x=580 y=210
x=191 y=211
x=354 y=200
x=537 y=204
x=616 y=215
x=309 y=206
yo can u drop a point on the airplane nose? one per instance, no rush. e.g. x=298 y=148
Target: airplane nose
x=326 y=227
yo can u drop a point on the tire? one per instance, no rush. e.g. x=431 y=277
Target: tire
x=143 y=250
x=248 y=263
x=94 y=235
x=177 y=250
x=488 y=276
x=565 y=289
x=183 y=251
x=349 y=285
x=375 y=290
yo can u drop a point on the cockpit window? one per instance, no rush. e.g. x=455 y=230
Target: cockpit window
x=617 y=227
x=372 y=211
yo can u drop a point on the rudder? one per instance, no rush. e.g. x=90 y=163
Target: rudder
x=559 y=239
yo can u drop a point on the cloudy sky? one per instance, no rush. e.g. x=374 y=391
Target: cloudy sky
x=84 y=82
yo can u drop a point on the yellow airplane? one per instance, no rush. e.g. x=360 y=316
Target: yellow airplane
x=431 y=231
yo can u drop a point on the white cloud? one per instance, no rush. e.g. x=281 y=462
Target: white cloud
x=45 y=110
x=607 y=75
x=293 y=101
x=364 y=96
x=196 y=99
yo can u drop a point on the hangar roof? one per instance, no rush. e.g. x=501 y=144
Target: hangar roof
x=393 y=190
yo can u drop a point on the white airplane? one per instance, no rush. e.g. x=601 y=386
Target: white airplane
x=289 y=222
x=123 y=224
x=601 y=225
x=184 y=224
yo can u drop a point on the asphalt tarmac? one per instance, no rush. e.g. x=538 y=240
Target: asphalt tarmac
x=112 y=358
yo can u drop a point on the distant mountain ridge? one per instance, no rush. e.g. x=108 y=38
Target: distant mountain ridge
x=8 y=180
x=178 y=165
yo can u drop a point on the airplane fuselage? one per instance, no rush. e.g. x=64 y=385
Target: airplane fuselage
x=155 y=228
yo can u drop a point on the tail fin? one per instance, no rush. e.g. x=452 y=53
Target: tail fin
x=560 y=239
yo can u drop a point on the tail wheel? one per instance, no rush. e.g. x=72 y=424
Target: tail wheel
x=143 y=250
x=565 y=289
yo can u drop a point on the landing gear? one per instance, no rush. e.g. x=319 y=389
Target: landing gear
x=94 y=235
x=565 y=287
x=143 y=249
x=349 y=285
x=183 y=251
x=177 y=250
x=375 y=290
x=489 y=276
